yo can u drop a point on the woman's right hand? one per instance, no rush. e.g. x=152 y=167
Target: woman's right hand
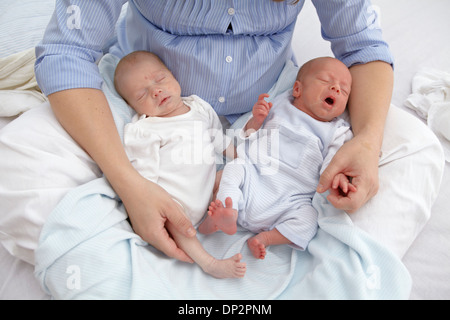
x=150 y=208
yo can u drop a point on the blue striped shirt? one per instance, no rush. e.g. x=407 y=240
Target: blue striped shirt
x=227 y=52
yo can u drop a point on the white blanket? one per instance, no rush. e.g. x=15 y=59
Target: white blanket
x=88 y=250
x=19 y=91
x=430 y=99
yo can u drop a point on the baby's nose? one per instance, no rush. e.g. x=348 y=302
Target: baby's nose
x=336 y=87
x=156 y=92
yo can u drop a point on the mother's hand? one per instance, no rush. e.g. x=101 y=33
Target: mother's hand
x=358 y=160
x=150 y=208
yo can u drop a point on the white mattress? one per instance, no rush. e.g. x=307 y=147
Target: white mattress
x=417 y=32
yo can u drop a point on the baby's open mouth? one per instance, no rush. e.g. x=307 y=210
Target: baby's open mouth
x=329 y=101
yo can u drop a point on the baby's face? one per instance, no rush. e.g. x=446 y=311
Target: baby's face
x=324 y=89
x=150 y=88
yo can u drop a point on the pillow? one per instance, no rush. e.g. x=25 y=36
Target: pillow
x=27 y=20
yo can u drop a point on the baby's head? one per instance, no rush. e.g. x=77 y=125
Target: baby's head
x=322 y=88
x=147 y=85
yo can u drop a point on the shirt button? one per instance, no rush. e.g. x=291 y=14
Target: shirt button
x=221 y=99
x=231 y=11
x=229 y=59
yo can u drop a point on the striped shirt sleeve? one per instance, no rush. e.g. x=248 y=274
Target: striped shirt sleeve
x=73 y=42
x=353 y=29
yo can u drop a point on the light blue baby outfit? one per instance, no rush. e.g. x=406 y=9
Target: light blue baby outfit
x=273 y=180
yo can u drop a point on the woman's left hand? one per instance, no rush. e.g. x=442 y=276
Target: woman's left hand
x=357 y=159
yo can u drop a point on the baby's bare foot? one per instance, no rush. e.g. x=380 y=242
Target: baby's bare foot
x=224 y=217
x=228 y=268
x=257 y=247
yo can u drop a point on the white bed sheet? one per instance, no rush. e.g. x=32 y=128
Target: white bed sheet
x=417 y=32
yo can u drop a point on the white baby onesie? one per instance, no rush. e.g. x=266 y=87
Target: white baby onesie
x=179 y=153
x=273 y=181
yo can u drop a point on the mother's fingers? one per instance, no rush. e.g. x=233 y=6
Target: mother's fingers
x=349 y=203
x=167 y=245
x=176 y=216
x=358 y=194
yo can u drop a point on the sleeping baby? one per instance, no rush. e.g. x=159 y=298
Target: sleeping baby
x=270 y=191
x=173 y=141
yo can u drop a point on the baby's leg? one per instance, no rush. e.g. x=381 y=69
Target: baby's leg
x=258 y=243
x=227 y=268
x=220 y=218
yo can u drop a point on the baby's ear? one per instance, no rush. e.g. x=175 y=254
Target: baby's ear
x=297 y=89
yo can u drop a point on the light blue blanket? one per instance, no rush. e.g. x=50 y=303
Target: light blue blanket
x=88 y=250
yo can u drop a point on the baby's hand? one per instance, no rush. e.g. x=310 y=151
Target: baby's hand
x=260 y=111
x=261 y=108
x=342 y=184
